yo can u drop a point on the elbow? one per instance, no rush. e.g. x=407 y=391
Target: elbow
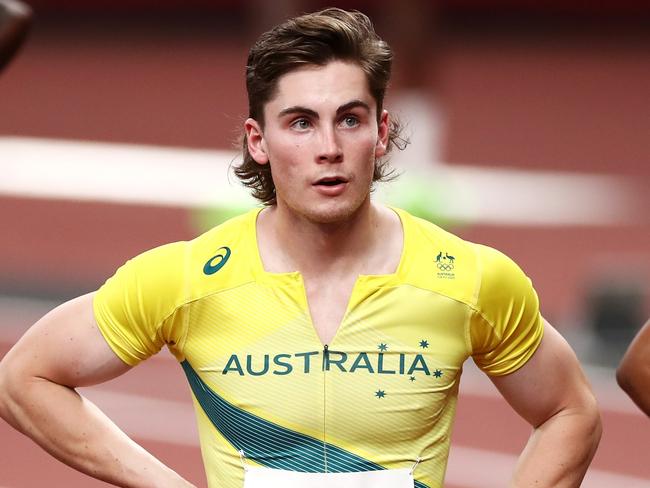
x=596 y=427
x=623 y=377
x=634 y=380
x=631 y=376
x=5 y=388
x=13 y=387
x=588 y=421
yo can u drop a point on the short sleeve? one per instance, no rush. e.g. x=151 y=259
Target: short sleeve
x=139 y=309
x=506 y=326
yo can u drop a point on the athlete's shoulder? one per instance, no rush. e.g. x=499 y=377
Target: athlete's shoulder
x=142 y=304
x=186 y=270
x=223 y=257
x=426 y=233
x=501 y=277
x=439 y=260
x=177 y=257
x=146 y=291
x=507 y=326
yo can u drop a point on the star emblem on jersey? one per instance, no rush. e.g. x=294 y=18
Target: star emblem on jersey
x=216 y=262
x=424 y=344
x=380 y=394
x=382 y=347
x=437 y=373
x=412 y=378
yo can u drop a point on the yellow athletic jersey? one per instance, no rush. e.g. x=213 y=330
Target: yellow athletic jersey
x=380 y=395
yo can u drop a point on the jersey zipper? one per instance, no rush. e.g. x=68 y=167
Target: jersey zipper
x=325 y=362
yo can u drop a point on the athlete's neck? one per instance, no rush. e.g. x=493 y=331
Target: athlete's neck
x=357 y=244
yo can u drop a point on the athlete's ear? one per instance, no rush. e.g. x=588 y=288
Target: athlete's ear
x=255 y=141
x=383 y=130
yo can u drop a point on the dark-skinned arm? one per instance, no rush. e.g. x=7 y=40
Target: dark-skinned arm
x=15 y=19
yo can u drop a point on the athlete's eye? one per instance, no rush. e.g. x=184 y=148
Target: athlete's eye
x=349 y=121
x=301 y=124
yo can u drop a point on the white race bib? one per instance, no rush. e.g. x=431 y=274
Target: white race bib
x=258 y=477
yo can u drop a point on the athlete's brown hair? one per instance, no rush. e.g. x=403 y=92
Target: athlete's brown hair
x=313 y=39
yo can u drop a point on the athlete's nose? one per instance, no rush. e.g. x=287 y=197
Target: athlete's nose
x=329 y=150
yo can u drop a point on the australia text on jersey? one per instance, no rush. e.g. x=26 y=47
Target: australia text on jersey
x=306 y=362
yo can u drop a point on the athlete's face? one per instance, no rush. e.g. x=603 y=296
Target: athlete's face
x=321 y=137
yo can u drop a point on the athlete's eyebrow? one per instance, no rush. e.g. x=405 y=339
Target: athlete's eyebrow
x=352 y=104
x=298 y=109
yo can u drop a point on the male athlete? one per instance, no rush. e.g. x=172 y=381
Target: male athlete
x=323 y=335
x=15 y=18
x=633 y=373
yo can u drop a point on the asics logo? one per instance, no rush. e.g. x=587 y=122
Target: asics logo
x=216 y=262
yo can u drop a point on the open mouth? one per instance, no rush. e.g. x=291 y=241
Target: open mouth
x=331 y=181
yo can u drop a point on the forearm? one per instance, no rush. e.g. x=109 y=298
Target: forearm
x=76 y=432
x=560 y=450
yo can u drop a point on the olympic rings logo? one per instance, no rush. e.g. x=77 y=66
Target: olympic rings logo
x=445 y=262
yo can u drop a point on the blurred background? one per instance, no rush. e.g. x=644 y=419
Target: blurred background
x=530 y=130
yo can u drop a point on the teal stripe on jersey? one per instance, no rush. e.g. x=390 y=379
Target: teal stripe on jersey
x=270 y=444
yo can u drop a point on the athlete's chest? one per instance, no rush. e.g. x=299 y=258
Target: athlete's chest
x=258 y=330
x=397 y=356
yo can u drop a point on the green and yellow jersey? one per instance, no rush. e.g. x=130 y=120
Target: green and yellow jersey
x=380 y=395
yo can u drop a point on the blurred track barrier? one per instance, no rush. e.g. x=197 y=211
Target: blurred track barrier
x=200 y=179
